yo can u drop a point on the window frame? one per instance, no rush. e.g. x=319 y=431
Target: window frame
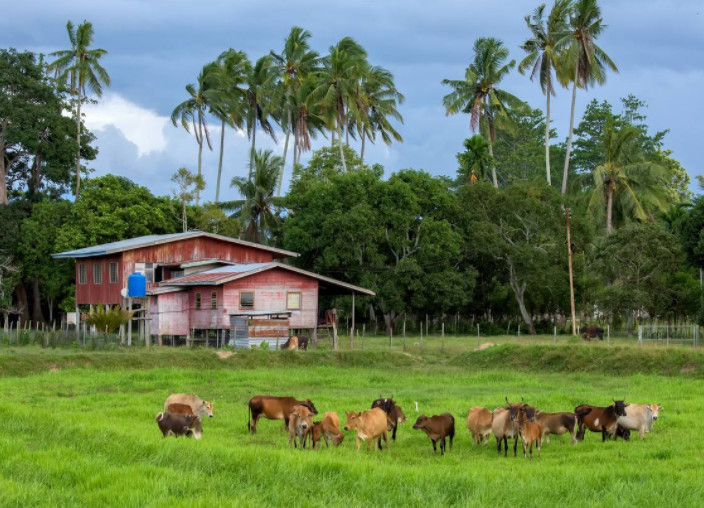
x=213 y=300
x=116 y=266
x=300 y=300
x=198 y=303
x=98 y=272
x=83 y=273
x=246 y=307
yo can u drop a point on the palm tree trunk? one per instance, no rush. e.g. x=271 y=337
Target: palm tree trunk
x=342 y=152
x=283 y=166
x=362 y=152
x=251 y=155
x=493 y=166
x=609 y=209
x=78 y=144
x=547 y=138
x=200 y=155
x=222 y=149
x=569 y=137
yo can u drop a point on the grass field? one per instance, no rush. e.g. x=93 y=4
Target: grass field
x=79 y=429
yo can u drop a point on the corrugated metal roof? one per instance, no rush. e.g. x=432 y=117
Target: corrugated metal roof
x=146 y=241
x=224 y=274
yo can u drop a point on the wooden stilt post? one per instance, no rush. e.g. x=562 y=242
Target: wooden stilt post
x=129 y=325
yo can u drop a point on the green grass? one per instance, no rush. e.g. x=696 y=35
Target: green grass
x=79 y=428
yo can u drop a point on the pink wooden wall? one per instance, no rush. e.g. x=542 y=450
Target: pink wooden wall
x=170 y=314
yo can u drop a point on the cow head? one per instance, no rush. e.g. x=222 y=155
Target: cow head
x=352 y=420
x=336 y=440
x=528 y=412
x=420 y=422
x=205 y=409
x=302 y=416
x=513 y=409
x=655 y=409
x=620 y=406
x=311 y=407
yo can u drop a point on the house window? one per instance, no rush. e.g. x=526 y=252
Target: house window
x=213 y=300
x=197 y=301
x=293 y=300
x=146 y=269
x=113 y=273
x=246 y=299
x=82 y=274
x=97 y=273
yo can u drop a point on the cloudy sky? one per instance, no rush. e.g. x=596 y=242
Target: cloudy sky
x=156 y=47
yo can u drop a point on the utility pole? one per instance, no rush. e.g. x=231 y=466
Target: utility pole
x=569 y=262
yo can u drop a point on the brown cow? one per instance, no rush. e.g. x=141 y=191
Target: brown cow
x=200 y=407
x=299 y=423
x=185 y=409
x=393 y=412
x=437 y=427
x=556 y=423
x=504 y=426
x=592 y=332
x=369 y=426
x=529 y=430
x=328 y=428
x=296 y=342
x=274 y=408
x=600 y=419
x=178 y=424
x=479 y=424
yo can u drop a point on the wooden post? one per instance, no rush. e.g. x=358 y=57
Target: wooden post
x=129 y=325
x=353 y=323
x=442 y=337
x=148 y=323
x=421 y=335
x=569 y=263
x=554 y=334
x=608 y=335
x=404 y=331
x=391 y=338
x=426 y=325
x=78 y=324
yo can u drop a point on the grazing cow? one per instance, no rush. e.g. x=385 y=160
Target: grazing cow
x=295 y=342
x=529 y=430
x=179 y=424
x=600 y=419
x=299 y=422
x=437 y=428
x=479 y=424
x=592 y=332
x=369 y=426
x=393 y=412
x=504 y=426
x=638 y=417
x=274 y=408
x=556 y=423
x=328 y=428
x=185 y=409
x=200 y=407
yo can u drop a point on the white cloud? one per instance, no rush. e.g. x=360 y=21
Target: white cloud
x=143 y=127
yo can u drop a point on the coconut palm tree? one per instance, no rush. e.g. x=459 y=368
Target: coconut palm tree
x=544 y=56
x=193 y=111
x=293 y=65
x=625 y=182
x=476 y=161
x=80 y=67
x=339 y=76
x=585 y=62
x=232 y=73
x=260 y=100
x=478 y=95
x=378 y=100
x=307 y=119
x=256 y=211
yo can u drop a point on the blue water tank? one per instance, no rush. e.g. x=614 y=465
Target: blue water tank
x=136 y=285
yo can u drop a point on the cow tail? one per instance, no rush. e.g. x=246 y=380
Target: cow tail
x=249 y=414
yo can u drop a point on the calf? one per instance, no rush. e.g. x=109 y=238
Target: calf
x=639 y=417
x=369 y=426
x=600 y=419
x=504 y=426
x=479 y=424
x=299 y=423
x=556 y=423
x=437 y=428
x=529 y=430
x=185 y=409
x=179 y=424
x=328 y=428
x=274 y=408
x=198 y=406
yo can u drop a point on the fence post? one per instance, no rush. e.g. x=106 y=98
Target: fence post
x=554 y=334
x=519 y=329
x=640 y=335
x=421 y=335
x=667 y=331
x=608 y=335
x=442 y=337
x=404 y=333
x=391 y=338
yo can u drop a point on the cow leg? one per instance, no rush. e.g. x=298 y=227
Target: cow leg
x=641 y=432
x=255 y=419
x=515 y=445
x=435 y=450
x=540 y=445
x=452 y=436
x=393 y=435
x=505 y=446
x=326 y=441
x=531 y=450
x=498 y=445
x=357 y=438
x=603 y=434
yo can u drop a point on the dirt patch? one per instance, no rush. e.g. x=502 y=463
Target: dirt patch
x=688 y=368
x=484 y=346
x=224 y=354
x=54 y=368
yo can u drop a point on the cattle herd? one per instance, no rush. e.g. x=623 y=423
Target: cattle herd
x=183 y=412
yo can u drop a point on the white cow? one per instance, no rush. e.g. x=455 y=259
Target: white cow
x=639 y=417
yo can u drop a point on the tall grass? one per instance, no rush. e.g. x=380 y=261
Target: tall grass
x=83 y=434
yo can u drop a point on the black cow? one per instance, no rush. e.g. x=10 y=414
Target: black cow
x=592 y=332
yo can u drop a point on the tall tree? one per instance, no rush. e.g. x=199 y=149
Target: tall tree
x=339 y=76
x=256 y=211
x=193 y=111
x=474 y=163
x=260 y=101
x=478 y=95
x=625 y=181
x=80 y=67
x=187 y=186
x=544 y=56
x=584 y=60
x=231 y=75
x=293 y=65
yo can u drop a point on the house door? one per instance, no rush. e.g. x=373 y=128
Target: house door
x=239 y=329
